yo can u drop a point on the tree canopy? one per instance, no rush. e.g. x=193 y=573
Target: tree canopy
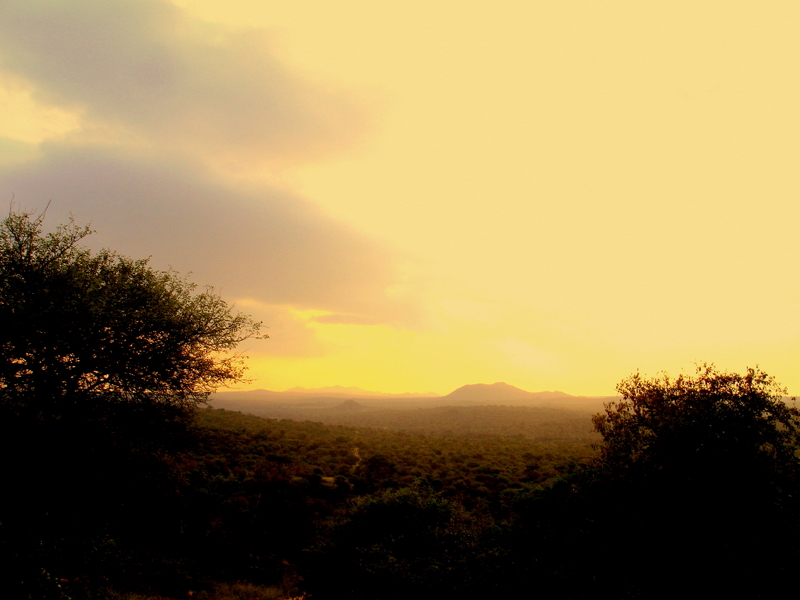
x=689 y=423
x=79 y=325
x=102 y=362
x=696 y=485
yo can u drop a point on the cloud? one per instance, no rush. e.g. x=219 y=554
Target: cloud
x=288 y=330
x=161 y=99
x=14 y=151
x=343 y=319
x=262 y=243
x=143 y=67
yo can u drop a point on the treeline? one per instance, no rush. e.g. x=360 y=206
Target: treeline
x=333 y=511
x=304 y=502
x=341 y=512
x=371 y=458
x=695 y=491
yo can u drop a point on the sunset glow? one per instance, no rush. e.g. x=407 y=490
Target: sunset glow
x=416 y=196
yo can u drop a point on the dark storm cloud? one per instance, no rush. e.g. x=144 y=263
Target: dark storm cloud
x=265 y=244
x=143 y=66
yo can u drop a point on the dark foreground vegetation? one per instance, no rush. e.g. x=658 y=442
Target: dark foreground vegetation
x=117 y=485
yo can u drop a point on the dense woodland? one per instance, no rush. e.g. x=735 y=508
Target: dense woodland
x=288 y=503
x=533 y=422
x=342 y=512
x=119 y=485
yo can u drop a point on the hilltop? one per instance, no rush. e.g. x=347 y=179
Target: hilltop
x=500 y=393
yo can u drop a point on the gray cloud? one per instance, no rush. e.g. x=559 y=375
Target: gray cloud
x=142 y=65
x=266 y=243
x=166 y=95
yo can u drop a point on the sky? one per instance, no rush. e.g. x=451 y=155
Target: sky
x=417 y=196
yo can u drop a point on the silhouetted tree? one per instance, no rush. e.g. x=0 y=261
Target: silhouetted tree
x=696 y=485
x=78 y=324
x=690 y=423
x=102 y=361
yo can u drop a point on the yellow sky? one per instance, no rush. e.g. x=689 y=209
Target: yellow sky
x=566 y=191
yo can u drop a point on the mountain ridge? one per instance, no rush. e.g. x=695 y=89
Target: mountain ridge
x=478 y=394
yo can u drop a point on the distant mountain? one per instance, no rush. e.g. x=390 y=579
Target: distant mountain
x=349 y=405
x=310 y=400
x=500 y=393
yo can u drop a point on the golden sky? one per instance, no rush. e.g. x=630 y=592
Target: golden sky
x=418 y=195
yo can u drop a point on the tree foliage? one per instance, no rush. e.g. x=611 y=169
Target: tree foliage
x=697 y=485
x=724 y=420
x=404 y=543
x=80 y=326
x=102 y=361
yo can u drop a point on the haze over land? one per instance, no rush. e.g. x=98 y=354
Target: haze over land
x=499 y=393
x=415 y=195
x=476 y=410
